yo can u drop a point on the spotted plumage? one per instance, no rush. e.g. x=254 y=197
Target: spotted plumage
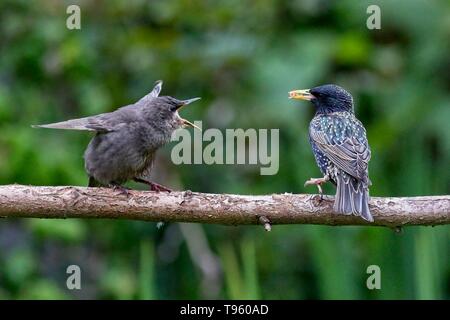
x=339 y=144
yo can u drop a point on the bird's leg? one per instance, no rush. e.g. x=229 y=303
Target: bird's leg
x=153 y=185
x=318 y=182
x=157 y=187
x=120 y=188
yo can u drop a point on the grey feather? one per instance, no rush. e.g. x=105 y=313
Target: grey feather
x=85 y=124
x=126 y=140
x=352 y=197
x=153 y=94
x=105 y=122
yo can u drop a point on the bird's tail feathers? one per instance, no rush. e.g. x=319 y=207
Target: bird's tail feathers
x=74 y=124
x=352 y=197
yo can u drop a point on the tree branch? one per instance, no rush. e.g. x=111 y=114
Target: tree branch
x=79 y=202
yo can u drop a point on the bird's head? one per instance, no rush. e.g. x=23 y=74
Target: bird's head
x=165 y=112
x=327 y=98
x=162 y=111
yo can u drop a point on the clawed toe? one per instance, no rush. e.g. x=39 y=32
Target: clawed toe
x=308 y=182
x=122 y=190
x=317 y=182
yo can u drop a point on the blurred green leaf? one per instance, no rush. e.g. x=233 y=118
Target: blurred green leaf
x=147 y=271
x=20 y=266
x=71 y=231
x=43 y=290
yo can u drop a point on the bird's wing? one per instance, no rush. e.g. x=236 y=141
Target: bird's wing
x=351 y=155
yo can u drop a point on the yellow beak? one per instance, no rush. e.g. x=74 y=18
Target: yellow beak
x=188 y=123
x=301 y=95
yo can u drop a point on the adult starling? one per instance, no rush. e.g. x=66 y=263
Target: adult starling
x=126 y=140
x=340 y=147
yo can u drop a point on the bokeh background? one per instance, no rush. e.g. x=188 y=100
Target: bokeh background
x=242 y=57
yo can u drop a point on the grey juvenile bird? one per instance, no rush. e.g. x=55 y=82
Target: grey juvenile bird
x=126 y=140
x=340 y=147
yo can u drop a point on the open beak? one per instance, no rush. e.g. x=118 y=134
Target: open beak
x=184 y=103
x=301 y=95
x=190 y=124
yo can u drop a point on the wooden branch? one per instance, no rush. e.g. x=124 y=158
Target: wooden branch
x=79 y=202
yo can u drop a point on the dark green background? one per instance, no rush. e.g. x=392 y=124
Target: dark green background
x=242 y=57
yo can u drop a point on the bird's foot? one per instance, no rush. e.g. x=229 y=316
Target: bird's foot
x=122 y=190
x=157 y=187
x=318 y=182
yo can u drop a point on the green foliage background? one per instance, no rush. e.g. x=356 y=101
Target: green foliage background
x=242 y=57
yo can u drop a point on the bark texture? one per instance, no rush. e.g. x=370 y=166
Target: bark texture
x=79 y=202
